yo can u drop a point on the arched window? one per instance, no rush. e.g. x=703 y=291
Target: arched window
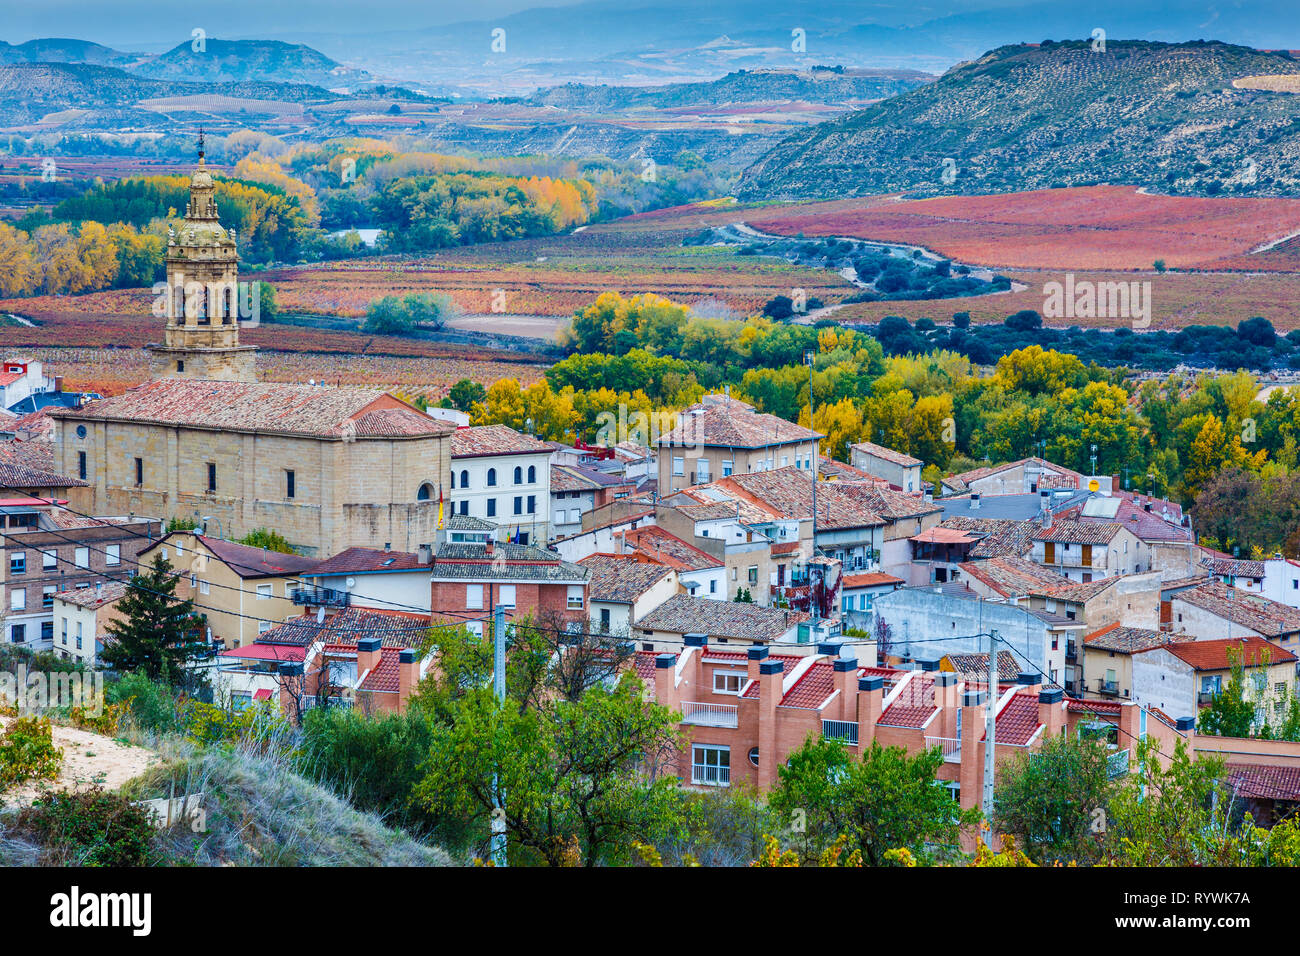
x=519 y=476
x=532 y=473
x=464 y=479
x=231 y=310
x=492 y=476
x=425 y=493
x=205 y=307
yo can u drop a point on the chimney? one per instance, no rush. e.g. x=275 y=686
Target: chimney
x=755 y=657
x=369 y=651
x=388 y=546
x=945 y=699
x=974 y=501
x=291 y=684
x=408 y=675
x=1051 y=711
x=829 y=648
x=666 y=680
x=871 y=694
x=1147 y=507
x=771 y=678
x=846 y=677
x=425 y=554
x=1185 y=725
x=489 y=546
x=1028 y=683
x=971 y=771
x=927 y=666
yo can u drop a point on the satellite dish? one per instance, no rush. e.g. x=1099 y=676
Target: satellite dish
x=351 y=582
x=1094 y=485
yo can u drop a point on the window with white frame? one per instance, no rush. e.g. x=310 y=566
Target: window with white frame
x=726 y=467
x=473 y=597
x=711 y=765
x=575 y=597
x=679 y=466
x=701 y=470
x=206 y=588
x=263 y=591
x=728 y=682
x=113 y=554
x=49 y=559
x=82 y=558
x=18 y=599
x=507 y=595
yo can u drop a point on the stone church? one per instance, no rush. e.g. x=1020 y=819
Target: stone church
x=329 y=468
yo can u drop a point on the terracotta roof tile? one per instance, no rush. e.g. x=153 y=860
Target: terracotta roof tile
x=1268 y=617
x=621 y=578
x=734 y=620
x=1214 y=655
x=482 y=440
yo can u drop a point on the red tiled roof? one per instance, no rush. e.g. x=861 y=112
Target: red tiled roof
x=250 y=562
x=397 y=628
x=361 y=560
x=1079 y=532
x=277 y=408
x=1017 y=721
x=267 y=652
x=810 y=690
x=621 y=578
x=1213 y=655
x=1268 y=617
x=868 y=579
x=913 y=706
x=668 y=549
x=1261 y=782
x=481 y=440
x=643 y=662
x=732 y=425
x=384 y=677
x=886 y=454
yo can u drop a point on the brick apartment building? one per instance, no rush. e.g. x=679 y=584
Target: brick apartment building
x=744 y=712
x=47 y=549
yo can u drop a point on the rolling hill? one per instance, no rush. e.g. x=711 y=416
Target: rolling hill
x=1163 y=116
x=241 y=61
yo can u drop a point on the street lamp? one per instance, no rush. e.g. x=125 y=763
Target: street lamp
x=206 y=519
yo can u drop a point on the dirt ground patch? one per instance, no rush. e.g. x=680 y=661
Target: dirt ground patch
x=88 y=759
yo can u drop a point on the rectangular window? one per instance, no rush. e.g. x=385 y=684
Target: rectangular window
x=81 y=465
x=63 y=627
x=290 y=487
x=728 y=682
x=18 y=599
x=575 y=597
x=507 y=596
x=139 y=472
x=212 y=477
x=263 y=591
x=532 y=504
x=49 y=559
x=18 y=633
x=519 y=505
x=701 y=470
x=753 y=574
x=473 y=597
x=726 y=468
x=679 y=467
x=82 y=558
x=47 y=631
x=113 y=554
x=206 y=588
x=711 y=765
x=491 y=507
x=713 y=587
x=47 y=596
x=18 y=562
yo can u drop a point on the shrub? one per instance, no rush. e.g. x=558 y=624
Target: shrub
x=151 y=706
x=92 y=828
x=27 y=752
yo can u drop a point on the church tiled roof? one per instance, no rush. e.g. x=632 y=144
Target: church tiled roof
x=311 y=410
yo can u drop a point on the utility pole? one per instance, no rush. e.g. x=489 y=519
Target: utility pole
x=814 y=627
x=499 y=687
x=990 y=744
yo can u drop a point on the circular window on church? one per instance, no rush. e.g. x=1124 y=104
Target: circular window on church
x=81 y=431
x=425 y=493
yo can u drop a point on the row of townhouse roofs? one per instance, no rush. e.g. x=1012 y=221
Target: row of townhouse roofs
x=1099 y=592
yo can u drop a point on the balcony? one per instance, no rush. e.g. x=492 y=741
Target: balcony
x=710 y=715
x=1117 y=764
x=1108 y=687
x=949 y=746
x=320 y=597
x=845 y=731
x=1205 y=698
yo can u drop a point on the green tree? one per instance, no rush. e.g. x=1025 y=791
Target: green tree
x=580 y=777
x=267 y=539
x=1230 y=714
x=466 y=393
x=156 y=632
x=887 y=800
x=1046 y=799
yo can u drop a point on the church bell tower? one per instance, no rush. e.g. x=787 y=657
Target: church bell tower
x=203 y=298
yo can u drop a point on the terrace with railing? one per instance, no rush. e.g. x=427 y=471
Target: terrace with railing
x=949 y=746
x=845 y=731
x=710 y=715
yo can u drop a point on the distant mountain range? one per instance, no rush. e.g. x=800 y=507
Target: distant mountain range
x=1173 y=117
x=216 y=61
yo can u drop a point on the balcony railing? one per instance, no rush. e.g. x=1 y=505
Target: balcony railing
x=1117 y=764
x=845 y=731
x=710 y=715
x=1110 y=687
x=710 y=776
x=949 y=746
x=320 y=597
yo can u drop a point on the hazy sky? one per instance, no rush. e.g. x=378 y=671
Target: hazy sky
x=129 y=24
